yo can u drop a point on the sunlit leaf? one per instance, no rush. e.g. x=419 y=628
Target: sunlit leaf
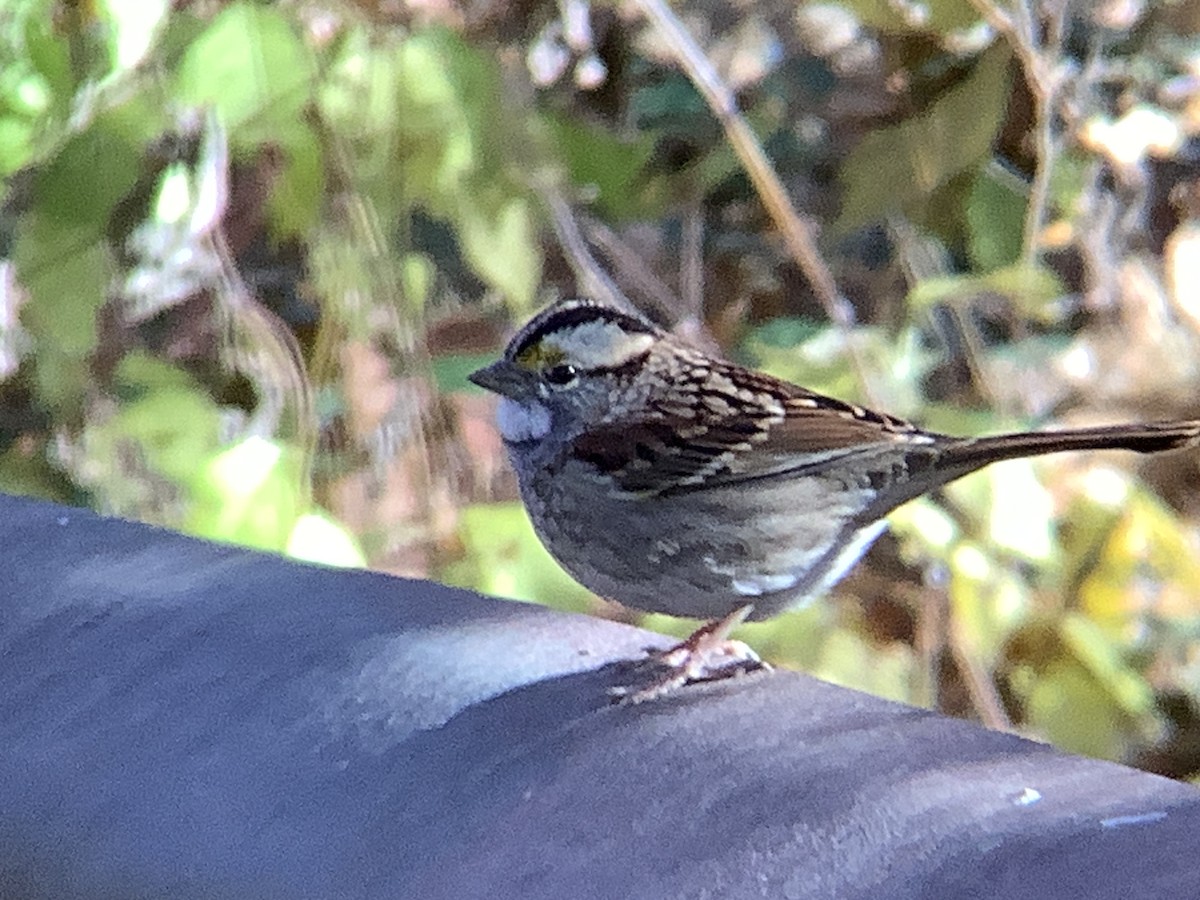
x=16 y=142
x=251 y=66
x=847 y=659
x=1097 y=652
x=1016 y=509
x=988 y=599
x=248 y=494
x=132 y=26
x=1068 y=707
x=1034 y=289
x=795 y=639
x=167 y=414
x=501 y=245
x=417 y=273
x=320 y=539
x=936 y=16
x=1133 y=561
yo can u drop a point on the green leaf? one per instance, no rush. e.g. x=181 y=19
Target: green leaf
x=815 y=356
x=62 y=256
x=1099 y=654
x=167 y=414
x=448 y=112
x=1032 y=289
x=1130 y=557
x=787 y=332
x=252 y=67
x=450 y=372
x=417 y=275
x=359 y=92
x=849 y=660
x=296 y=196
x=501 y=246
x=796 y=639
x=996 y=218
x=989 y=601
x=606 y=163
x=896 y=168
x=66 y=272
x=1070 y=709
x=29 y=474
x=87 y=177
x=16 y=143
x=818 y=358
x=456 y=148
x=47 y=50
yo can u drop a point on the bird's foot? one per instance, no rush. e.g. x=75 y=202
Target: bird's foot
x=707 y=655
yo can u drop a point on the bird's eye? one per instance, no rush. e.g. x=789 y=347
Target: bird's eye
x=561 y=375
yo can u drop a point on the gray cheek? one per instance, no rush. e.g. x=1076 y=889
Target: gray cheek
x=519 y=422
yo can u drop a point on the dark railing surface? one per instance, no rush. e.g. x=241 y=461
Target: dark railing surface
x=183 y=720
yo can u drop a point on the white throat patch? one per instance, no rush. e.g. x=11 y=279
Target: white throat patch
x=519 y=422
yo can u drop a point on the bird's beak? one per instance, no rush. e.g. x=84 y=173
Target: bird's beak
x=502 y=377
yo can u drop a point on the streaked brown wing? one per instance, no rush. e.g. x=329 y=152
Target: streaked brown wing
x=794 y=430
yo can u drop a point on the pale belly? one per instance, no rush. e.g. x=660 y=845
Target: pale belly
x=788 y=547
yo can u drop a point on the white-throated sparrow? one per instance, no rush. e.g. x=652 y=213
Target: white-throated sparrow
x=673 y=482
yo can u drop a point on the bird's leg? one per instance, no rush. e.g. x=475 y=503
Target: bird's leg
x=708 y=654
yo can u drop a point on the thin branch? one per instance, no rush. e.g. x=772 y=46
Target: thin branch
x=798 y=233
x=632 y=269
x=984 y=696
x=691 y=269
x=932 y=610
x=591 y=277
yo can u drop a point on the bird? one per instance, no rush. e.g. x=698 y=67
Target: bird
x=672 y=481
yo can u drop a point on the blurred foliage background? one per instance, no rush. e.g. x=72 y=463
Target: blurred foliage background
x=248 y=253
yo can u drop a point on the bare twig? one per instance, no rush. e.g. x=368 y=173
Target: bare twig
x=798 y=233
x=984 y=696
x=691 y=269
x=594 y=280
x=589 y=274
x=633 y=268
x=932 y=610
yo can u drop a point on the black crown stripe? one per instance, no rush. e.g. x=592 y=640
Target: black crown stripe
x=561 y=318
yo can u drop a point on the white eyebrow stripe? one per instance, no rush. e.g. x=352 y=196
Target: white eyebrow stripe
x=599 y=344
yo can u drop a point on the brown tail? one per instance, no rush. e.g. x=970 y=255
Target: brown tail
x=1151 y=437
x=930 y=466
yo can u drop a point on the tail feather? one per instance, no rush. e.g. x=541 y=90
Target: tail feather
x=933 y=465
x=1152 y=437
